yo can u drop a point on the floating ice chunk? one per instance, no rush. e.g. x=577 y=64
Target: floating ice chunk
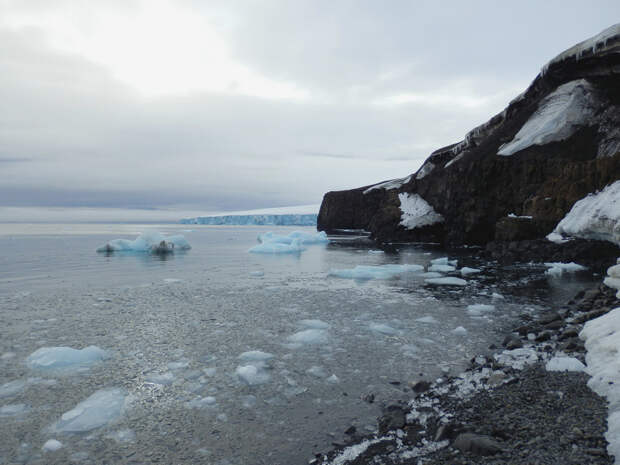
x=417 y=212
x=61 y=358
x=309 y=336
x=314 y=324
x=333 y=379
x=255 y=356
x=257 y=274
x=172 y=280
x=564 y=363
x=431 y=274
x=376 y=252
x=517 y=358
x=427 y=319
x=249 y=401
x=153 y=242
x=448 y=281
x=558 y=269
x=467 y=271
x=202 y=402
x=278 y=247
x=479 y=309
x=383 y=329
x=441 y=268
x=122 y=436
x=11 y=410
x=252 y=375
x=317 y=371
x=51 y=445
x=444 y=261
x=100 y=409
x=303 y=237
x=459 y=331
x=177 y=365
x=11 y=388
x=163 y=379
x=363 y=272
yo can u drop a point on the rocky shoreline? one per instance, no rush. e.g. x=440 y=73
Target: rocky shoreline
x=506 y=408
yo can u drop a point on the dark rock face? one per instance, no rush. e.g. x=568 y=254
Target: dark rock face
x=475 y=189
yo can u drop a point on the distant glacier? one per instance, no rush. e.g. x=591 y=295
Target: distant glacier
x=302 y=215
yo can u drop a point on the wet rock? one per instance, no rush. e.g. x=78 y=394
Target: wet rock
x=350 y=430
x=394 y=417
x=512 y=342
x=421 y=386
x=557 y=324
x=568 y=333
x=477 y=444
x=370 y=398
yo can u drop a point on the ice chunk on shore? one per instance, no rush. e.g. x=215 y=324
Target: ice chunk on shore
x=100 y=409
x=363 y=272
x=517 y=358
x=51 y=445
x=305 y=238
x=448 y=281
x=613 y=278
x=564 y=363
x=153 y=242
x=278 y=248
x=65 y=358
x=558 y=269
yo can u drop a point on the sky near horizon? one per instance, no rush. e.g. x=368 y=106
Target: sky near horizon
x=230 y=105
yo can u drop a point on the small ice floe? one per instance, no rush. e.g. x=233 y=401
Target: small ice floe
x=152 y=242
x=479 y=309
x=252 y=375
x=163 y=379
x=201 y=402
x=309 y=337
x=65 y=358
x=382 y=328
x=13 y=410
x=558 y=269
x=517 y=358
x=51 y=445
x=447 y=281
x=7 y=356
x=376 y=252
x=459 y=331
x=333 y=379
x=11 y=388
x=278 y=247
x=427 y=319
x=465 y=271
x=441 y=268
x=122 y=436
x=444 y=261
x=364 y=272
x=301 y=236
x=564 y=363
x=100 y=409
x=255 y=356
x=316 y=371
x=497 y=296
x=257 y=274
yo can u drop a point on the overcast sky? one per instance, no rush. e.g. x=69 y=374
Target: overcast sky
x=228 y=105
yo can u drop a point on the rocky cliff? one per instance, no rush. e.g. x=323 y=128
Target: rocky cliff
x=514 y=177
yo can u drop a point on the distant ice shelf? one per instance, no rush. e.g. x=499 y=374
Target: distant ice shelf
x=303 y=215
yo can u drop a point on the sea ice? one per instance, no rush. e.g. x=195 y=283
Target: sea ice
x=448 y=281
x=479 y=309
x=278 y=248
x=122 y=436
x=11 y=410
x=255 y=356
x=333 y=379
x=363 y=272
x=317 y=371
x=257 y=274
x=252 y=375
x=467 y=271
x=431 y=274
x=564 y=363
x=153 y=242
x=65 y=358
x=441 y=268
x=383 y=329
x=444 y=261
x=11 y=388
x=459 y=331
x=376 y=252
x=309 y=336
x=303 y=237
x=416 y=212
x=163 y=379
x=100 y=409
x=558 y=269
x=51 y=445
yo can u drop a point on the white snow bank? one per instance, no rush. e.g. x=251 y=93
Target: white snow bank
x=448 y=281
x=374 y=271
x=278 y=247
x=51 y=445
x=100 y=409
x=558 y=116
x=564 y=363
x=596 y=216
x=613 y=278
x=389 y=185
x=153 y=242
x=602 y=342
x=558 y=269
x=416 y=212
x=304 y=237
x=65 y=358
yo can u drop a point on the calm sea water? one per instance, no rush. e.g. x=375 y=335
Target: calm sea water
x=175 y=327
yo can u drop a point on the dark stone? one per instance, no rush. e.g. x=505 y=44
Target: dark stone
x=350 y=430
x=557 y=324
x=544 y=336
x=370 y=398
x=512 y=342
x=421 y=386
x=393 y=418
x=568 y=333
x=549 y=318
x=477 y=444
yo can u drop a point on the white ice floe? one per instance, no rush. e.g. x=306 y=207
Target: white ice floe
x=363 y=272
x=12 y=410
x=441 y=268
x=304 y=237
x=558 y=269
x=376 y=252
x=333 y=379
x=465 y=271
x=613 y=278
x=278 y=247
x=316 y=371
x=602 y=342
x=389 y=185
x=65 y=358
x=564 y=363
x=517 y=358
x=51 y=445
x=163 y=379
x=309 y=336
x=459 y=331
x=416 y=212
x=100 y=409
x=596 y=216
x=252 y=374
x=382 y=328
x=558 y=116
x=444 y=261
x=153 y=242
x=448 y=281
x=431 y=274
x=479 y=309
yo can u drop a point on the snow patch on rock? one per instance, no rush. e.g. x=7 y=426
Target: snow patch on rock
x=416 y=212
